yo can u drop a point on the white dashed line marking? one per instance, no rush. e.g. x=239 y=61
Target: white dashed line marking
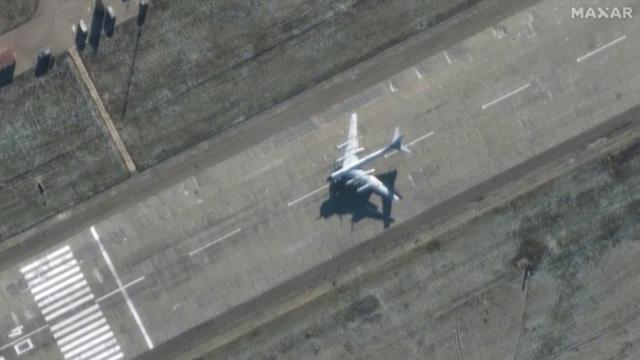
x=291 y=203
x=523 y=87
x=215 y=242
x=411 y=143
x=591 y=53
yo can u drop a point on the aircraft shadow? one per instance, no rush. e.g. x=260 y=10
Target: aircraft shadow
x=344 y=200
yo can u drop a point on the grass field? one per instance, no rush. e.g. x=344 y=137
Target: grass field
x=49 y=134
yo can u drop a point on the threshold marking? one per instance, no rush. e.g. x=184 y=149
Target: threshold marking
x=67 y=304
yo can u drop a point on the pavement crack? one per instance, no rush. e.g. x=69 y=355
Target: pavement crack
x=458 y=340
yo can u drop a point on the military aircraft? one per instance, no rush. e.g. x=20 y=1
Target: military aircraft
x=350 y=169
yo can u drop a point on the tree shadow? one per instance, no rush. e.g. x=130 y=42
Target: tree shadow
x=345 y=200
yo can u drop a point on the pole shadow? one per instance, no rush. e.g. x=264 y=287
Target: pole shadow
x=132 y=68
x=345 y=200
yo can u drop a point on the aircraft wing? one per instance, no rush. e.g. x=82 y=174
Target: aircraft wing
x=351 y=148
x=367 y=182
x=379 y=188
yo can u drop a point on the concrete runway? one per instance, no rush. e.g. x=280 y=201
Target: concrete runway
x=150 y=272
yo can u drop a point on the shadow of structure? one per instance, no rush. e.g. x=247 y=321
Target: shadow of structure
x=97 y=23
x=44 y=62
x=81 y=35
x=7 y=67
x=345 y=200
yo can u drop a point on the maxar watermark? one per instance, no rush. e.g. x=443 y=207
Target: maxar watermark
x=590 y=12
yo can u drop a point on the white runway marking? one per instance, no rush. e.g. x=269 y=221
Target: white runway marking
x=412 y=143
x=447 y=56
x=64 y=298
x=392 y=88
x=364 y=106
x=77 y=322
x=104 y=297
x=87 y=346
x=42 y=270
x=69 y=307
x=90 y=310
x=24 y=337
x=215 y=242
x=71 y=289
x=591 y=53
x=23 y=347
x=291 y=203
x=54 y=289
x=84 y=330
x=74 y=296
x=84 y=338
x=420 y=138
x=54 y=280
x=132 y=309
x=270 y=166
x=59 y=269
x=106 y=355
x=505 y=96
x=418 y=73
x=44 y=261
x=411 y=179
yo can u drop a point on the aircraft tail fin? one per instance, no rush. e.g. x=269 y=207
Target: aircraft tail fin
x=396 y=141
